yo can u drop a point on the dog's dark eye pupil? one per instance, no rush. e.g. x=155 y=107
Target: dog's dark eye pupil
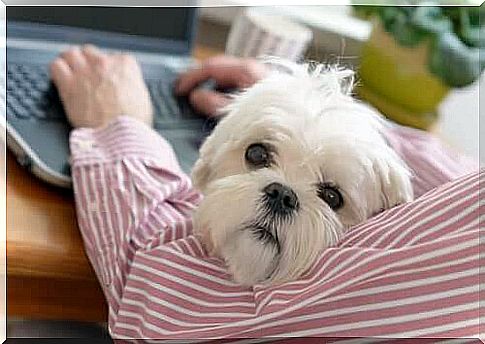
x=331 y=195
x=257 y=155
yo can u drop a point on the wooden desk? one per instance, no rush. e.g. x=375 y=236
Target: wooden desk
x=48 y=273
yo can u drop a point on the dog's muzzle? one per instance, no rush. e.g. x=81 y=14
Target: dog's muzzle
x=280 y=199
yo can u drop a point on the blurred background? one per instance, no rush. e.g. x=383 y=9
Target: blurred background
x=421 y=66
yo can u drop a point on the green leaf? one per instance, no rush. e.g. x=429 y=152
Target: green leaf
x=469 y=29
x=396 y=21
x=473 y=36
x=431 y=20
x=455 y=63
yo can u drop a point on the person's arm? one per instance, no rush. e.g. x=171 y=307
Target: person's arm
x=123 y=172
x=124 y=176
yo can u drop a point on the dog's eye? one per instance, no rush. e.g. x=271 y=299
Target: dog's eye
x=257 y=155
x=331 y=195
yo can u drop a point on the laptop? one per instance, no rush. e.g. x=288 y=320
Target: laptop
x=161 y=40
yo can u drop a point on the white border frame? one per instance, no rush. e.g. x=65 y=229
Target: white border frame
x=205 y=3
x=3 y=180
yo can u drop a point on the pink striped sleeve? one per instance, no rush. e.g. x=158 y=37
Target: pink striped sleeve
x=130 y=195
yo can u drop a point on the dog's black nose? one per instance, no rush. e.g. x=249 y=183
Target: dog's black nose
x=280 y=198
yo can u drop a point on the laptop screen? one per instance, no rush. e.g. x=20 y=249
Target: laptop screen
x=173 y=24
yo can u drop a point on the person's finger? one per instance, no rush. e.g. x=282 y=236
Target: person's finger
x=61 y=73
x=92 y=53
x=74 y=58
x=208 y=102
x=128 y=61
x=225 y=70
x=250 y=73
x=125 y=57
x=191 y=79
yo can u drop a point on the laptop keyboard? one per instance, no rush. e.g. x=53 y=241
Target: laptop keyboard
x=31 y=95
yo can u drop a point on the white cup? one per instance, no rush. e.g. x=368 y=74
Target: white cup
x=258 y=33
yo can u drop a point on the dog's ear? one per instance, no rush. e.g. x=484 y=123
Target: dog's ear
x=202 y=169
x=200 y=174
x=395 y=180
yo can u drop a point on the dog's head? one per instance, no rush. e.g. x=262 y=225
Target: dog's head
x=295 y=161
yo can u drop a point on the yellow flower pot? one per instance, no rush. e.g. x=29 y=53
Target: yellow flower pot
x=396 y=80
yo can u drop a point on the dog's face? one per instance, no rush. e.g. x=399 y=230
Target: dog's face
x=294 y=163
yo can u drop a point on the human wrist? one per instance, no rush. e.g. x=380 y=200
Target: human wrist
x=124 y=137
x=109 y=120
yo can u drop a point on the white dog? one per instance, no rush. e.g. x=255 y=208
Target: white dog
x=295 y=161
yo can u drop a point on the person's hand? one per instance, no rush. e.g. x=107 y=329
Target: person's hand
x=96 y=87
x=227 y=72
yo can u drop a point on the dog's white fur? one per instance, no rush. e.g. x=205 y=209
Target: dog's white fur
x=320 y=134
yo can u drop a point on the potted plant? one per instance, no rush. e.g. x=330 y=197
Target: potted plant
x=415 y=54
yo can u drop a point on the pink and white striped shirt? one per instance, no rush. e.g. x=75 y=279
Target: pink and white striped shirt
x=411 y=271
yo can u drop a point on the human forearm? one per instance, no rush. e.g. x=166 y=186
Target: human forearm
x=120 y=174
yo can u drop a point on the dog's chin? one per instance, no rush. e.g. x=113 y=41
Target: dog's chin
x=227 y=222
x=251 y=255
x=258 y=247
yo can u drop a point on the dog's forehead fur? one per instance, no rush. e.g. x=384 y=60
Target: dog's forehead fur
x=307 y=122
x=309 y=105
